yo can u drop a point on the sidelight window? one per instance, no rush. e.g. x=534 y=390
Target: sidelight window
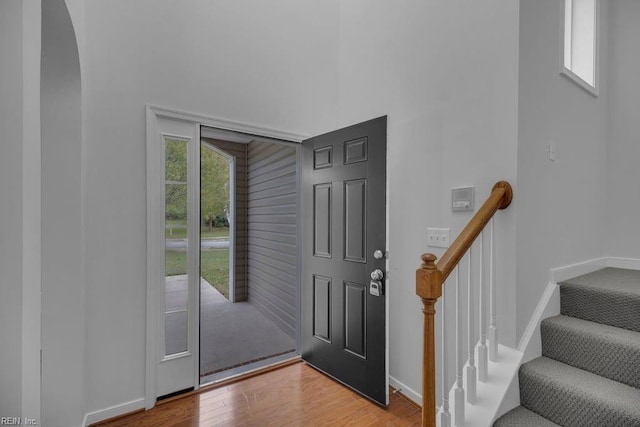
x=175 y=257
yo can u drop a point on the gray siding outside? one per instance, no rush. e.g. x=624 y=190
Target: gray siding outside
x=272 y=232
x=239 y=151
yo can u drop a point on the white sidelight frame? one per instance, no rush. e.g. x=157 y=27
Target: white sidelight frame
x=156 y=116
x=170 y=373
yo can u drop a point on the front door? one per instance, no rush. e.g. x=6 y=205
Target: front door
x=343 y=192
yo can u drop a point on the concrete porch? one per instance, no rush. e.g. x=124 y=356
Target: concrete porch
x=232 y=335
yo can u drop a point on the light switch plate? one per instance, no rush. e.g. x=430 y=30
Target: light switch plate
x=439 y=237
x=552 y=150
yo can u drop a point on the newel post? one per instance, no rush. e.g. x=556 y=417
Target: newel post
x=429 y=289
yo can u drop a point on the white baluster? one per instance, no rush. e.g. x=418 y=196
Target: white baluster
x=482 y=347
x=459 y=391
x=471 y=368
x=493 y=330
x=445 y=416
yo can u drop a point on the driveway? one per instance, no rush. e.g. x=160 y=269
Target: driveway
x=181 y=244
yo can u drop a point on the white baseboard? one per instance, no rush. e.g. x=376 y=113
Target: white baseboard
x=408 y=392
x=559 y=274
x=628 y=263
x=112 y=411
x=549 y=305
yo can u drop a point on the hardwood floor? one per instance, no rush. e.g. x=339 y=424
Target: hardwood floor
x=295 y=395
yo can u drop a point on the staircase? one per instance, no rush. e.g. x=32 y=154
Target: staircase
x=589 y=372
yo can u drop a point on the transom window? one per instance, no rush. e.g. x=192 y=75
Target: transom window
x=580 y=47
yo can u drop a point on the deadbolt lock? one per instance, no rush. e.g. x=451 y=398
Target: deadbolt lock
x=375 y=286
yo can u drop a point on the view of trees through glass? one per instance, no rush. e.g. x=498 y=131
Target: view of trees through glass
x=214 y=215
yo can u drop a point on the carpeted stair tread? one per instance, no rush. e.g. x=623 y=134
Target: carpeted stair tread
x=573 y=397
x=522 y=417
x=610 y=296
x=605 y=350
x=614 y=279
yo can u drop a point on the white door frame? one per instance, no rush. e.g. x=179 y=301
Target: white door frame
x=155 y=174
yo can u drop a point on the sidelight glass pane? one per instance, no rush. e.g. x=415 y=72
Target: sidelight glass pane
x=176 y=160
x=175 y=209
x=175 y=259
x=175 y=329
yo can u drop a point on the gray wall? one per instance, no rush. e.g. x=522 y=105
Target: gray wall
x=561 y=203
x=20 y=23
x=193 y=67
x=623 y=203
x=272 y=241
x=11 y=208
x=239 y=151
x=458 y=131
x=63 y=242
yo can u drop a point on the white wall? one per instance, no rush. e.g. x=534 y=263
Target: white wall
x=11 y=103
x=445 y=73
x=20 y=209
x=623 y=204
x=267 y=63
x=447 y=76
x=63 y=290
x=31 y=209
x=561 y=204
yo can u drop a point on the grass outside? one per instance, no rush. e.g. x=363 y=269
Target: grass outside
x=214 y=267
x=176 y=229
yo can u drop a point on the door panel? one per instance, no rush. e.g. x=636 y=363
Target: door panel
x=343 y=193
x=322 y=308
x=322 y=220
x=355 y=220
x=355 y=302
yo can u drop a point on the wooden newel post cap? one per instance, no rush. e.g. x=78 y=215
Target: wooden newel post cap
x=428 y=261
x=428 y=278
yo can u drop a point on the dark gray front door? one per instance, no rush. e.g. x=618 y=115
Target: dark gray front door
x=343 y=190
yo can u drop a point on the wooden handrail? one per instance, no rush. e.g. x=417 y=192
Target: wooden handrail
x=500 y=198
x=429 y=280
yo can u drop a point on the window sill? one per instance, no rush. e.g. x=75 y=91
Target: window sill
x=593 y=90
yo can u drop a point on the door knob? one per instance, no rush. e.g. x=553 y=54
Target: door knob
x=377 y=274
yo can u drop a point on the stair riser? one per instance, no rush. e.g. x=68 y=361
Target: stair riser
x=521 y=417
x=570 y=407
x=617 y=309
x=602 y=355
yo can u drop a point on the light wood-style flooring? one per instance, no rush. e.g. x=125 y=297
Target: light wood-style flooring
x=295 y=395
